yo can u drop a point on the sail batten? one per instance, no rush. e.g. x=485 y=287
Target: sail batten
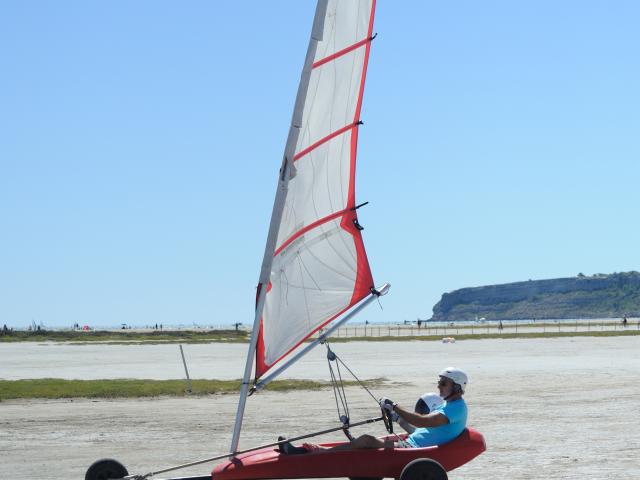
x=319 y=269
x=322 y=141
x=344 y=51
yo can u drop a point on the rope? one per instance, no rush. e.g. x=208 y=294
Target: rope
x=343 y=397
x=375 y=399
x=344 y=393
x=338 y=387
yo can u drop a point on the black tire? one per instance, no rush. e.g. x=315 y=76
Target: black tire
x=423 y=469
x=105 y=469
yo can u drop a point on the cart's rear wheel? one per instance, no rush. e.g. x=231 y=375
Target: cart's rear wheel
x=423 y=469
x=106 y=469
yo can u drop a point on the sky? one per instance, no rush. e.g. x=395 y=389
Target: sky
x=140 y=144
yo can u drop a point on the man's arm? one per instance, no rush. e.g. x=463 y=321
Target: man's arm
x=406 y=425
x=434 y=419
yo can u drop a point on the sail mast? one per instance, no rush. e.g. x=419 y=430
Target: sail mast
x=278 y=207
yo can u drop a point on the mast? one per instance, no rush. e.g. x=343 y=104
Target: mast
x=278 y=207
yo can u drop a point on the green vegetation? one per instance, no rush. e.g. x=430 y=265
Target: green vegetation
x=128 y=336
x=131 y=388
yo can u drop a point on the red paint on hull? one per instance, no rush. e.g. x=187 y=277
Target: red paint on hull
x=268 y=463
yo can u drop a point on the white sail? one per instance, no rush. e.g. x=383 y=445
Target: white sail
x=315 y=267
x=319 y=267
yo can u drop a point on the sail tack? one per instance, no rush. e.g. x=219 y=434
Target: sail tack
x=319 y=267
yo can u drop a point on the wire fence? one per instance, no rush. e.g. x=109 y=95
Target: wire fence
x=412 y=329
x=507 y=328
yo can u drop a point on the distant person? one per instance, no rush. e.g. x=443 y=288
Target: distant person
x=500 y=326
x=624 y=321
x=435 y=428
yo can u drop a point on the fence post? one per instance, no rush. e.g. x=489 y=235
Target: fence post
x=184 y=362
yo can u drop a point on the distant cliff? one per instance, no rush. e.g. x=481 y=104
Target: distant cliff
x=597 y=296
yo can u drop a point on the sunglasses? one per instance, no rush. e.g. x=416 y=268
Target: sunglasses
x=442 y=383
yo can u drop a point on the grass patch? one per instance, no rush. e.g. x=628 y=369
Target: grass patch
x=132 y=388
x=127 y=336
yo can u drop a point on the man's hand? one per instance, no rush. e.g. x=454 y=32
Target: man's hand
x=387 y=404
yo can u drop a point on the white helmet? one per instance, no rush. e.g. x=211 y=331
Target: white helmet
x=456 y=375
x=432 y=400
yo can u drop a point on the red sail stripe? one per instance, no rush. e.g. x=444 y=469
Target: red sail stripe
x=340 y=53
x=304 y=230
x=351 y=197
x=312 y=147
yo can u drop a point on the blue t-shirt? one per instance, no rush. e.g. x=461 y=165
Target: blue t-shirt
x=456 y=412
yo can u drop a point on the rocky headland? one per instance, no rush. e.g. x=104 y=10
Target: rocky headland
x=596 y=296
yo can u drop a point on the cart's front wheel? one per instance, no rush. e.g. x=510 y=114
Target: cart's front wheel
x=423 y=469
x=106 y=469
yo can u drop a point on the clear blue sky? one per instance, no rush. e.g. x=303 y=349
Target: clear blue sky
x=140 y=144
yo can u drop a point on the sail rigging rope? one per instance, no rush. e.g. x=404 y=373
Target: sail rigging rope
x=338 y=387
x=339 y=393
x=338 y=362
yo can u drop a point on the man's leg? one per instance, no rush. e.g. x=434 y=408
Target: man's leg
x=364 y=441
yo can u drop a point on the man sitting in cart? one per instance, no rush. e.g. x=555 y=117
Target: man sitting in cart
x=435 y=428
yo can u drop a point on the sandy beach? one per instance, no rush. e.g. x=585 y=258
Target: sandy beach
x=549 y=408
